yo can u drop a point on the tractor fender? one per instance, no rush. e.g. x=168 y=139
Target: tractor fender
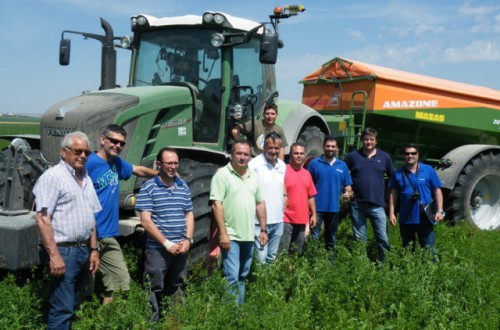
x=454 y=161
x=294 y=117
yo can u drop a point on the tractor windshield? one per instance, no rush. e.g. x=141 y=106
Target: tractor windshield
x=185 y=56
x=177 y=56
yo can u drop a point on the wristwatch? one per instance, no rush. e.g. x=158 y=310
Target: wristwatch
x=442 y=212
x=92 y=249
x=190 y=239
x=263 y=230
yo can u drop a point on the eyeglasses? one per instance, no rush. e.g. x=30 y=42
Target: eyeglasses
x=78 y=152
x=411 y=153
x=115 y=141
x=170 y=163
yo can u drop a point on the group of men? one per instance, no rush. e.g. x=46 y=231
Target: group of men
x=258 y=203
x=77 y=205
x=285 y=201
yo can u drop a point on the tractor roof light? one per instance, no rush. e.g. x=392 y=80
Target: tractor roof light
x=141 y=20
x=214 y=18
x=138 y=22
x=208 y=18
x=217 y=40
x=219 y=19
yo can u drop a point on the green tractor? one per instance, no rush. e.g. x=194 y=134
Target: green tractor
x=191 y=79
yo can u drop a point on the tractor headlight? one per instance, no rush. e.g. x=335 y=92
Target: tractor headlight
x=217 y=39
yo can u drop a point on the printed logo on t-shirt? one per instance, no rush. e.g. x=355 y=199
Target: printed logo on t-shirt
x=109 y=178
x=259 y=142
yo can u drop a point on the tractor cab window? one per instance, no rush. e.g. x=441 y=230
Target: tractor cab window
x=255 y=80
x=184 y=57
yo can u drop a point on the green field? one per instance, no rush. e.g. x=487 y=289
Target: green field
x=13 y=125
x=409 y=291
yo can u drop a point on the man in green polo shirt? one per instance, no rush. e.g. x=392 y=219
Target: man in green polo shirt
x=236 y=200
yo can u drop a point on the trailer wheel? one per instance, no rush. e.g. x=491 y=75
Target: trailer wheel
x=198 y=176
x=477 y=192
x=312 y=137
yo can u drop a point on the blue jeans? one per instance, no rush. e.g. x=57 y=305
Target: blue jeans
x=424 y=232
x=64 y=291
x=331 y=220
x=268 y=252
x=236 y=263
x=359 y=213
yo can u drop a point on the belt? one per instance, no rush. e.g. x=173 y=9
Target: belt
x=73 y=244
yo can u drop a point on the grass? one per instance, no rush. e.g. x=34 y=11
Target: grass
x=13 y=125
x=409 y=291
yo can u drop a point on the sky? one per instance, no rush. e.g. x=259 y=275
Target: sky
x=457 y=40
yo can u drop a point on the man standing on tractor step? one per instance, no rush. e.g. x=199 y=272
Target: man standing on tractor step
x=262 y=128
x=106 y=169
x=166 y=209
x=65 y=204
x=370 y=168
x=237 y=199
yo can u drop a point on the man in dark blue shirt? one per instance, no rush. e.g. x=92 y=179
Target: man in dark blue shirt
x=415 y=185
x=369 y=168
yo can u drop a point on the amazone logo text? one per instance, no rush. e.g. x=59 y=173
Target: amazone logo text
x=411 y=104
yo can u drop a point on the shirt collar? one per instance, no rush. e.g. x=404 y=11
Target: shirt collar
x=177 y=182
x=71 y=170
x=246 y=175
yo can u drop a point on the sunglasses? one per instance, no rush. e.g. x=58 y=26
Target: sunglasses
x=115 y=141
x=411 y=153
x=78 y=152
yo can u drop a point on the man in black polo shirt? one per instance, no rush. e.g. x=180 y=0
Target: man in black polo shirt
x=370 y=167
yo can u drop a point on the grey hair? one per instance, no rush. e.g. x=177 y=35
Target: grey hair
x=68 y=139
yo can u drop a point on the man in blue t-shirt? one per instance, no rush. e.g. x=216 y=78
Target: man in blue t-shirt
x=414 y=186
x=332 y=180
x=370 y=167
x=167 y=217
x=106 y=169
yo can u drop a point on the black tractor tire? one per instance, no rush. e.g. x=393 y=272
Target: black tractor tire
x=476 y=195
x=198 y=176
x=312 y=137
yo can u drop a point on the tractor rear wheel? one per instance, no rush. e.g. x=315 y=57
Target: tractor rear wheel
x=476 y=195
x=312 y=137
x=198 y=176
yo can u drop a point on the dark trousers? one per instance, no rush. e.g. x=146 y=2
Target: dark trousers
x=165 y=273
x=424 y=232
x=293 y=238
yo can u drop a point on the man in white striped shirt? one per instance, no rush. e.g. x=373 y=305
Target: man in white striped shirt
x=65 y=204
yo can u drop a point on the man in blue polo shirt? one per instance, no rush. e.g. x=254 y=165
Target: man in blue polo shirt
x=370 y=167
x=332 y=179
x=167 y=216
x=414 y=185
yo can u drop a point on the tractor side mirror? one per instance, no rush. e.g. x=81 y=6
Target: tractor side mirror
x=269 y=48
x=64 y=51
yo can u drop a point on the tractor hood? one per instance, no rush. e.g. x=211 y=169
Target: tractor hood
x=92 y=112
